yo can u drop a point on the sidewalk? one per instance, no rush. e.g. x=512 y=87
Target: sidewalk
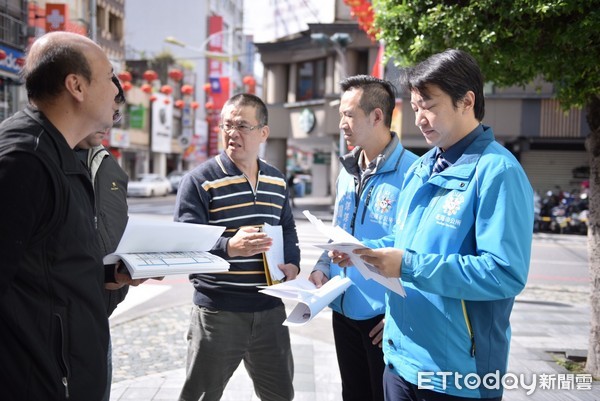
x=546 y=322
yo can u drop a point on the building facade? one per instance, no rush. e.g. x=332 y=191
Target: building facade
x=300 y=85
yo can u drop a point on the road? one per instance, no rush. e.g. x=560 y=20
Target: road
x=557 y=261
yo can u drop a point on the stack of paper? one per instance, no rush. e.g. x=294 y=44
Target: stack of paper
x=154 y=248
x=311 y=300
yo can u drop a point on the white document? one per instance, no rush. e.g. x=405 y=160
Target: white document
x=311 y=300
x=275 y=254
x=153 y=248
x=343 y=241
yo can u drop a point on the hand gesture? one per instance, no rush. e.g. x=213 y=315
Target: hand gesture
x=248 y=241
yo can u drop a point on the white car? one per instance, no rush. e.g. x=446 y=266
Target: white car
x=149 y=185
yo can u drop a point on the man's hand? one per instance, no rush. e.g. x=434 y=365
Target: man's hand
x=376 y=333
x=248 y=241
x=340 y=258
x=317 y=278
x=290 y=270
x=387 y=260
x=123 y=278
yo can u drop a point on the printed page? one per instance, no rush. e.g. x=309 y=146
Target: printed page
x=275 y=255
x=157 y=264
x=346 y=243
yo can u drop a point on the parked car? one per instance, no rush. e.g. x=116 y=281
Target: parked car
x=175 y=179
x=149 y=185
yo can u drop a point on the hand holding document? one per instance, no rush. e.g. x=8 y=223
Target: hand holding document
x=344 y=242
x=274 y=256
x=311 y=300
x=153 y=248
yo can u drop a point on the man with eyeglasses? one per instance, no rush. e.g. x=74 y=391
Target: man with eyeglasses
x=231 y=321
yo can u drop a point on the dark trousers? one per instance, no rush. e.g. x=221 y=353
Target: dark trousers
x=398 y=389
x=361 y=362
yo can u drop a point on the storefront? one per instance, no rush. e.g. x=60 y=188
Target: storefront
x=10 y=65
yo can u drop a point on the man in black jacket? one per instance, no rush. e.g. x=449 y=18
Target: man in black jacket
x=53 y=321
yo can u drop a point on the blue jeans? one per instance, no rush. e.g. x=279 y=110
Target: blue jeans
x=219 y=340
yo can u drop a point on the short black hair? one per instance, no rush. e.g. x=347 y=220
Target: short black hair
x=377 y=93
x=454 y=71
x=248 y=99
x=45 y=74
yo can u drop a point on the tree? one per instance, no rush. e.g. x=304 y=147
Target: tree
x=515 y=42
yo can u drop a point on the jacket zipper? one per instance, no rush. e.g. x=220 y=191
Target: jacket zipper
x=469 y=327
x=65 y=378
x=362 y=221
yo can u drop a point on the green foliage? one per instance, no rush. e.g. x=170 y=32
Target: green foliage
x=513 y=41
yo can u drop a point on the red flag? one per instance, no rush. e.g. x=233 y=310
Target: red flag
x=378 y=67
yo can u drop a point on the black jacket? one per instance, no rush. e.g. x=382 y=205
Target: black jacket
x=110 y=187
x=53 y=322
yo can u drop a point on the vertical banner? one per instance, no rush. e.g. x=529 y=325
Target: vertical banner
x=219 y=84
x=215 y=25
x=162 y=123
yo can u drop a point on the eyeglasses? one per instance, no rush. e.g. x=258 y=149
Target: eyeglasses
x=242 y=128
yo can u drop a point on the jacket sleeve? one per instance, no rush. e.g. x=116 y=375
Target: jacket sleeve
x=323 y=264
x=192 y=206
x=503 y=232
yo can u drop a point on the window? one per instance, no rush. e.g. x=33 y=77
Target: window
x=311 y=80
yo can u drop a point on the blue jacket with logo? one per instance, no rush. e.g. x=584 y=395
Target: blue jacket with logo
x=367 y=210
x=467 y=236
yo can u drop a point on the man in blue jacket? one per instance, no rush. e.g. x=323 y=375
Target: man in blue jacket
x=462 y=244
x=367 y=193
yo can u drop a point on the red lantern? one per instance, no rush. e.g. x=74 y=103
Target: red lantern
x=187 y=89
x=146 y=88
x=126 y=86
x=150 y=75
x=195 y=105
x=175 y=74
x=207 y=87
x=179 y=104
x=166 y=89
x=209 y=105
x=249 y=80
x=124 y=76
x=2 y=54
x=153 y=98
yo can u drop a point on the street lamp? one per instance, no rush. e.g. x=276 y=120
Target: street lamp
x=229 y=57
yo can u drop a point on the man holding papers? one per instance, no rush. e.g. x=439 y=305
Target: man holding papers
x=231 y=321
x=366 y=199
x=462 y=247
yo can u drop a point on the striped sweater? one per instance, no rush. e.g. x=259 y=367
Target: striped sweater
x=218 y=193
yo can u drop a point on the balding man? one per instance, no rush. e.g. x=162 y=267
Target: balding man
x=54 y=328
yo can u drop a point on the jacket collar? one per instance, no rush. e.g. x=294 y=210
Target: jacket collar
x=350 y=161
x=228 y=166
x=465 y=164
x=67 y=158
